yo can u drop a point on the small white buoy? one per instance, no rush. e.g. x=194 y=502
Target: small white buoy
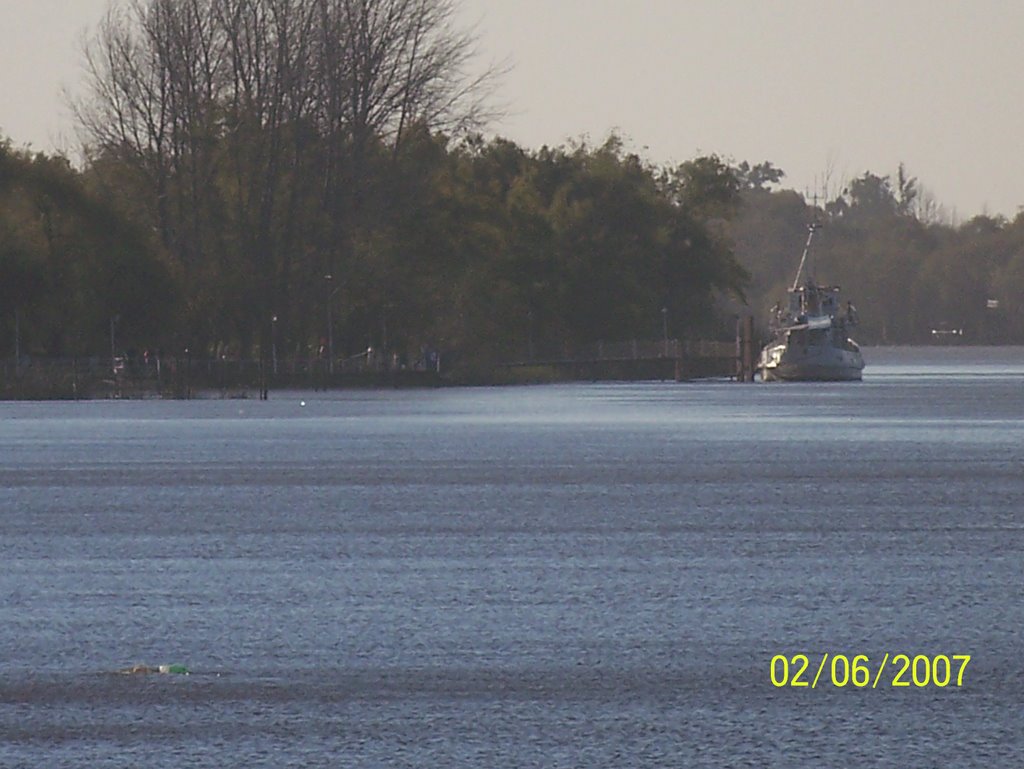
x=302 y=404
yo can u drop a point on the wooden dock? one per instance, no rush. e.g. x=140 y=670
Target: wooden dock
x=638 y=360
x=182 y=377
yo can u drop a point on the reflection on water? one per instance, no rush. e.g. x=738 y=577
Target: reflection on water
x=953 y=361
x=578 y=575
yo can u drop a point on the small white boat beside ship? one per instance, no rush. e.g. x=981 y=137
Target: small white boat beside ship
x=810 y=336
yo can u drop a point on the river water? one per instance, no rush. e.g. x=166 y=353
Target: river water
x=559 y=576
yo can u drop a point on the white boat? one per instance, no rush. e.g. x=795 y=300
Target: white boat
x=810 y=336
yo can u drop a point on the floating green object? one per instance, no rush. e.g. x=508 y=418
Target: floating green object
x=180 y=670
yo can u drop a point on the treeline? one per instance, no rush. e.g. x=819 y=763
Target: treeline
x=288 y=177
x=481 y=249
x=303 y=176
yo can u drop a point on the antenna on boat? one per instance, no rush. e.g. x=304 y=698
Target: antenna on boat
x=803 y=259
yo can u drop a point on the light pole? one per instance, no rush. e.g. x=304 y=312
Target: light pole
x=113 y=346
x=273 y=342
x=529 y=333
x=664 y=329
x=330 y=325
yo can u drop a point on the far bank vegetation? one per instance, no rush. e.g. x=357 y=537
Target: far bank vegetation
x=268 y=174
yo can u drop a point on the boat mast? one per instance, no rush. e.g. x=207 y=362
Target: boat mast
x=803 y=259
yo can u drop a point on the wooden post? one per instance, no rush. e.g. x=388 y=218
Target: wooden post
x=745 y=349
x=748 y=347
x=739 y=349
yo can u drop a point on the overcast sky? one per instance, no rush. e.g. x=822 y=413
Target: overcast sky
x=820 y=88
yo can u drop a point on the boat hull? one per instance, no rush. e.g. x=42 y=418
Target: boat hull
x=782 y=363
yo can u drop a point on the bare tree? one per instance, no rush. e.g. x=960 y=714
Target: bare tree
x=128 y=112
x=268 y=100
x=241 y=112
x=387 y=63
x=154 y=68
x=383 y=68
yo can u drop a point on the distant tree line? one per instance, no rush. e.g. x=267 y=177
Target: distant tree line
x=278 y=173
x=917 y=278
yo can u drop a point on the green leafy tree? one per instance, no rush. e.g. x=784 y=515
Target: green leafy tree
x=70 y=263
